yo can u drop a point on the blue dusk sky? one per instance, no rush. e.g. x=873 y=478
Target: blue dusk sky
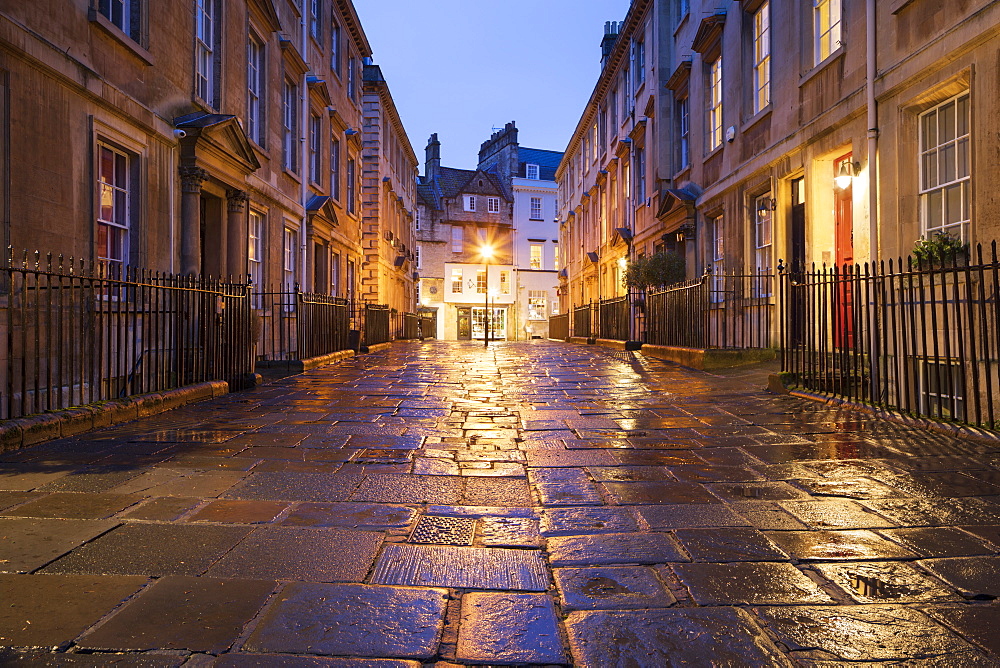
x=464 y=67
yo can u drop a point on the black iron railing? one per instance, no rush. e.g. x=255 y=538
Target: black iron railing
x=583 y=318
x=296 y=325
x=718 y=310
x=921 y=337
x=406 y=325
x=559 y=326
x=78 y=333
x=613 y=318
x=374 y=320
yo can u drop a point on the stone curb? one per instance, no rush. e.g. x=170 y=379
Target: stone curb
x=298 y=366
x=778 y=383
x=376 y=347
x=22 y=432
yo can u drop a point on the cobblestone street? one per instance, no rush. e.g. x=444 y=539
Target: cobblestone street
x=531 y=503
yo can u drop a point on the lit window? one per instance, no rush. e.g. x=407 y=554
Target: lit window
x=481 y=281
x=255 y=90
x=470 y=202
x=335 y=274
x=456 y=281
x=255 y=257
x=114 y=215
x=762 y=57
x=205 y=39
x=826 y=28
x=537 y=301
x=713 y=108
x=531 y=172
x=352 y=186
x=945 y=174
x=536 y=208
x=535 y=259
x=505 y=282
x=493 y=204
x=716 y=258
x=555 y=256
x=762 y=243
x=457 y=239
x=416 y=258
x=289 y=125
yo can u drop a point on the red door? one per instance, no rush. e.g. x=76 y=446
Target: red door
x=843 y=212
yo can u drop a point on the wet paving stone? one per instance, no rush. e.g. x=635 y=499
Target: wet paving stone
x=937 y=512
x=152 y=549
x=756 y=491
x=642 y=493
x=851 y=488
x=851 y=545
x=835 y=514
x=373 y=516
x=27 y=544
x=183 y=613
x=614 y=548
x=766 y=516
x=11 y=499
x=885 y=582
x=200 y=483
x=670 y=638
x=712 y=473
x=74 y=505
x=461 y=567
x=92 y=480
x=562 y=458
x=164 y=509
x=553 y=475
x=392 y=488
x=749 y=583
x=304 y=554
x=977 y=623
x=50 y=610
x=630 y=473
x=732 y=544
x=509 y=629
x=939 y=542
x=509 y=532
x=238 y=511
x=611 y=588
x=691 y=515
x=973 y=577
x=508 y=492
x=576 y=521
x=290 y=486
x=569 y=494
x=868 y=633
x=352 y=620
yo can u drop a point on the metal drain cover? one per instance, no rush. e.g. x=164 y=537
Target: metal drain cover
x=444 y=530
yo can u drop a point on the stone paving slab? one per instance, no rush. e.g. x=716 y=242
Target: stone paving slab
x=183 y=613
x=294 y=661
x=691 y=515
x=973 y=577
x=27 y=544
x=303 y=554
x=509 y=628
x=614 y=548
x=611 y=588
x=50 y=610
x=73 y=505
x=461 y=567
x=282 y=486
x=850 y=545
x=588 y=521
x=152 y=549
x=352 y=620
x=600 y=639
x=749 y=583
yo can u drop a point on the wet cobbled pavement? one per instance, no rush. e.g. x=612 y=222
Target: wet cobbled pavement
x=532 y=503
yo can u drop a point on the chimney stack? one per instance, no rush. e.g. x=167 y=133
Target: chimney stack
x=432 y=164
x=611 y=29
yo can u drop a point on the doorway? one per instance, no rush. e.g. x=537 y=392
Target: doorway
x=843 y=218
x=465 y=324
x=797 y=261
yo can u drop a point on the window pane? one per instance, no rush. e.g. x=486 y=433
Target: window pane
x=947 y=161
x=946 y=122
x=934 y=210
x=107 y=162
x=963 y=116
x=930 y=170
x=929 y=130
x=121 y=208
x=963 y=158
x=107 y=202
x=953 y=204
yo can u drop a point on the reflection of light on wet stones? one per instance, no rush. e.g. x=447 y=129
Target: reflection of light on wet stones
x=603 y=587
x=444 y=530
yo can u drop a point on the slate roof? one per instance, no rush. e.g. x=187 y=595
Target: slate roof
x=452 y=183
x=547 y=161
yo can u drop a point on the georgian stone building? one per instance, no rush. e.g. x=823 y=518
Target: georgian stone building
x=507 y=205
x=201 y=136
x=717 y=129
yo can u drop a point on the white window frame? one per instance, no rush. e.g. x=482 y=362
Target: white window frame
x=531 y=171
x=314 y=17
x=713 y=104
x=119 y=14
x=335 y=47
x=457 y=239
x=256 y=62
x=538 y=302
x=255 y=241
x=315 y=126
x=505 y=282
x=639 y=173
x=493 y=204
x=416 y=255
x=114 y=205
x=536 y=208
x=457 y=281
x=638 y=63
x=205 y=44
x=763 y=233
x=290 y=251
x=352 y=186
x=827 y=25
x=352 y=84
x=335 y=169
x=470 y=202
x=717 y=257
x=762 y=58
x=945 y=167
x=684 y=130
x=482 y=281
x=289 y=125
x=535 y=254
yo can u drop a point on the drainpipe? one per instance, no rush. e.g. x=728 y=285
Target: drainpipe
x=307 y=270
x=870 y=52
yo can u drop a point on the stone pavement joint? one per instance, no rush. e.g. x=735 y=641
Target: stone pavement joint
x=612 y=509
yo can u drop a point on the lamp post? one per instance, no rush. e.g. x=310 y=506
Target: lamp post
x=486 y=252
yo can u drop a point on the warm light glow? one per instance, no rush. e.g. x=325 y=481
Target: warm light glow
x=486 y=251
x=622 y=262
x=845 y=176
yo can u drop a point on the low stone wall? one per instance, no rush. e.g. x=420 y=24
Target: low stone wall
x=705 y=359
x=22 y=432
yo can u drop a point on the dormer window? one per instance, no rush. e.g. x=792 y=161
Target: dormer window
x=531 y=172
x=493 y=204
x=470 y=202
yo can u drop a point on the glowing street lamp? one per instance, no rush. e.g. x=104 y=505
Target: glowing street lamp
x=486 y=252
